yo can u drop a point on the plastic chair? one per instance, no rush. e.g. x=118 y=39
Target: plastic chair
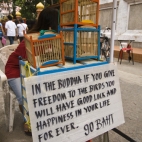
x=9 y=97
x=126 y=47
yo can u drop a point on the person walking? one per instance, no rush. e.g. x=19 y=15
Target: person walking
x=11 y=29
x=21 y=27
x=2 y=33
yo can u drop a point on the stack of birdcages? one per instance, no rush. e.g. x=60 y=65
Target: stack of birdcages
x=79 y=23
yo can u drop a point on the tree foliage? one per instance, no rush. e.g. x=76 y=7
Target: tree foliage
x=6 y=1
x=28 y=7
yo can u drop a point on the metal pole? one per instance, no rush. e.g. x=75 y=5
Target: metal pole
x=113 y=30
x=105 y=137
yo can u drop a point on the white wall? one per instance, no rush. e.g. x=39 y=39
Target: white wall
x=123 y=11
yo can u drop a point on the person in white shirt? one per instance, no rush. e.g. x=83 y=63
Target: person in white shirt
x=10 y=28
x=21 y=27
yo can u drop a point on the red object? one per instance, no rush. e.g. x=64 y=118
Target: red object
x=89 y=141
x=129 y=50
x=12 y=69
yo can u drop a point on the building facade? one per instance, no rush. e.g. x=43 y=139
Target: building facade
x=128 y=20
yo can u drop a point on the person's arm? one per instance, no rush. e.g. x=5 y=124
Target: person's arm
x=5 y=28
x=27 y=28
x=2 y=30
x=21 y=50
x=16 y=30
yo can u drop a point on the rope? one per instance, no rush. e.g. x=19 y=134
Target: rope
x=28 y=71
x=29 y=74
x=28 y=123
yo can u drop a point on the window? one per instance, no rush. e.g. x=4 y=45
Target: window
x=105 y=18
x=135 y=18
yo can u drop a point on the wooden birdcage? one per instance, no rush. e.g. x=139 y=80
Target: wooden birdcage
x=83 y=44
x=81 y=12
x=44 y=52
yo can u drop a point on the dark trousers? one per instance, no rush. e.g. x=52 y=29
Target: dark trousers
x=11 y=39
x=21 y=38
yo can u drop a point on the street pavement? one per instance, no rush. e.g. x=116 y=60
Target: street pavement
x=131 y=90
x=7 y=42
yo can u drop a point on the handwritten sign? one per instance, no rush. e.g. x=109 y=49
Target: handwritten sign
x=75 y=105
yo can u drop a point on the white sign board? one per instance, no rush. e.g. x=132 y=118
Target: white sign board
x=75 y=105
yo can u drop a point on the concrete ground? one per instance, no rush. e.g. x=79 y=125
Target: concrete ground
x=131 y=90
x=7 y=41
